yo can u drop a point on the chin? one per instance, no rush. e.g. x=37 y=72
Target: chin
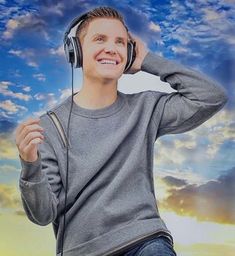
x=107 y=75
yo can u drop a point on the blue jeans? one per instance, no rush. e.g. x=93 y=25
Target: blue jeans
x=159 y=246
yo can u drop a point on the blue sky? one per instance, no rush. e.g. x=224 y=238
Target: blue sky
x=200 y=34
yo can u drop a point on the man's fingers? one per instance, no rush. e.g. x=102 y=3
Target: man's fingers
x=29 y=121
x=29 y=152
x=33 y=144
x=28 y=130
x=30 y=138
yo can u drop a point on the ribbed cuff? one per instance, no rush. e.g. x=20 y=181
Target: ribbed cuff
x=31 y=171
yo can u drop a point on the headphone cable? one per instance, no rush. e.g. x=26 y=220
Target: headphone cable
x=67 y=165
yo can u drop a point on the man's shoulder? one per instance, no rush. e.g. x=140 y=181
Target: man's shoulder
x=144 y=100
x=144 y=95
x=59 y=108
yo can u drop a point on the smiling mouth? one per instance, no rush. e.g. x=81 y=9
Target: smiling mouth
x=108 y=62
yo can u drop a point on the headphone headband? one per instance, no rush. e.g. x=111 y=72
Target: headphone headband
x=75 y=22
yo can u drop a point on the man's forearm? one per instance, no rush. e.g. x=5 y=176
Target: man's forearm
x=197 y=98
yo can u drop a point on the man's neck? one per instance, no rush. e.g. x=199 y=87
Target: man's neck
x=96 y=94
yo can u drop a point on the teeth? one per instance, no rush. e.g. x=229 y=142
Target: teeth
x=107 y=62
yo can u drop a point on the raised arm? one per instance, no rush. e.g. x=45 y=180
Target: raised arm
x=197 y=98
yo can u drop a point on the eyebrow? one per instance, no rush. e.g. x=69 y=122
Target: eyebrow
x=102 y=35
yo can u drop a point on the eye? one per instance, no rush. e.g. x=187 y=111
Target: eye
x=99 y=39
x=120 y=41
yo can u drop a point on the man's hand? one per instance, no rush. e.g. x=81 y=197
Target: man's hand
x=28 y=136
x=141 y=52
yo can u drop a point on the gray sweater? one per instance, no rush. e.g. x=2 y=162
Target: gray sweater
x=111 y=203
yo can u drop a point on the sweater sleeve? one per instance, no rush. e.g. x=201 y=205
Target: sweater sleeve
x=40 y=185
x=196 y=99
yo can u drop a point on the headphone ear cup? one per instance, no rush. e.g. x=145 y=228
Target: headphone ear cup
x=69 y=50
x=78 y=52
x=73 y=51
x=131 y=54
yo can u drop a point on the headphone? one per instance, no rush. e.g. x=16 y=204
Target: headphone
x=73 y=48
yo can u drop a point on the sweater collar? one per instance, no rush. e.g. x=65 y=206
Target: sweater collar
x=101 y=112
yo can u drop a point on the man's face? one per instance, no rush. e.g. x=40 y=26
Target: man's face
x=105 y=49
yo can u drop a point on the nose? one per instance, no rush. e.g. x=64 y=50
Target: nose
x=110 y=52
x=110 y=48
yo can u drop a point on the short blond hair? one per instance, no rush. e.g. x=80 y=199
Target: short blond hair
x=99 y=12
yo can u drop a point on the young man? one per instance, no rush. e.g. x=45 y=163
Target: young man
x=111 y=206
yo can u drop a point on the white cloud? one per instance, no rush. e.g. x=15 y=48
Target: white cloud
x=64 y=93
x=211 y=14
x=188 y=148
x=218 y=130
x=5 y=91
x=27 y=54
x=4 y=115
x=40 y=77
x=5 y=84
x=11 y=107
x=179 y=49
x=154 y=27
x=17 y=53
x=165 y=151
x=200 y=22
x=58 y=51
x=7 y=12
x=183 y=174
x=40 y=96
x=49 y=98
x=11 y=26
x=26 y=88
x=188 y=144
x=32 y=64
x=55 y=9
x=219 y=26
x=27 y=20
x=39 y=113
x=183 y=34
